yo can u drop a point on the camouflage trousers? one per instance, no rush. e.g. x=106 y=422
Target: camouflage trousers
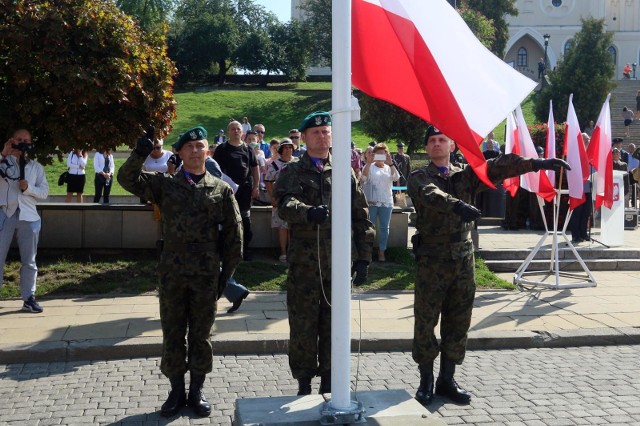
x=187 y=311
x=309 y=312
x=443 y=288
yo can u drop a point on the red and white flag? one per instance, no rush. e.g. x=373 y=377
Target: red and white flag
x=550 y=148
x=421 y=56
x=576 y=156
x=536 y=182
x=511 y=146
x=599 y=153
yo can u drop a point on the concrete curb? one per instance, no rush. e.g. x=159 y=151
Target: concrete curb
x=141 y=347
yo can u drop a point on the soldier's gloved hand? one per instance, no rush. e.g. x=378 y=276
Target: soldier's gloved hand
x=549 y=164
x=467 y=212
x=361 y=270
x=318 y=215
x=222 y=284
x=144 y=146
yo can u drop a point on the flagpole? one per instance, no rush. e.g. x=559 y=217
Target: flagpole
x=341 y=207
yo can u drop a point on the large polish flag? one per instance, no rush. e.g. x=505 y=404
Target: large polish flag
x=576 y=156
x=511 y=146
x=599 y=153
x=550 y=148
x=536 y=182
x=421 y=56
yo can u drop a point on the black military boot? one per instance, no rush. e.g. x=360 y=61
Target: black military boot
x=304 y=386
x=325 y=383
x=176 y=400
x=446 y=384
x=196 y=399
x=424 y=395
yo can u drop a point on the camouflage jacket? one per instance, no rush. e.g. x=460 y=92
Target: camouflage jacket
x=196 y=220
x=442 y=232
x=301 y=186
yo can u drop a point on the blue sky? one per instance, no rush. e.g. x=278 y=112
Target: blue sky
x=282 y=8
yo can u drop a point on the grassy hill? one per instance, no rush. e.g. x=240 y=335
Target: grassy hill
x=280 y=107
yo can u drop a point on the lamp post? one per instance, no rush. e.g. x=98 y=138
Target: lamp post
x=634 y=65
x=546 y=38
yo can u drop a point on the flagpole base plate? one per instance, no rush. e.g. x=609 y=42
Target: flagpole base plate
x=332 y=416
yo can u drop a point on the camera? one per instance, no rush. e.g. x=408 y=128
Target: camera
x=379 y=157
x=23 y=147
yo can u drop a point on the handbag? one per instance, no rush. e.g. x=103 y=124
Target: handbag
x=63 y=178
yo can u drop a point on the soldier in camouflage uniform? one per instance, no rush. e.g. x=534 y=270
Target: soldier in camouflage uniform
x=303 y=191
x=445 y=286
x=193 y=204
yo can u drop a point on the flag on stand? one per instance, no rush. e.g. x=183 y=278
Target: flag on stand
x=599 y=153
x=416 y=54
x=511 y=146
x=550 y=148
x=576 y=156
x=536 y=182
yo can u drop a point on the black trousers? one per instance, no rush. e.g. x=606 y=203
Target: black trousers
x=101 y=188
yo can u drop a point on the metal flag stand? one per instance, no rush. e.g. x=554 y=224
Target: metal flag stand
x=554 y=271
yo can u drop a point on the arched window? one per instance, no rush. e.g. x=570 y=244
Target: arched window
x=567 y=46
x=614 y=54
x=523 y=59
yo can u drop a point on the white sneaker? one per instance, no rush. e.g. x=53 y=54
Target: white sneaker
x=283 y=258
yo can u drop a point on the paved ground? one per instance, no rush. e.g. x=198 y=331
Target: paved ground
x=526 y=387
x=125 y=327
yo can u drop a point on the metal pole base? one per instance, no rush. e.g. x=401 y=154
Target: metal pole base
x=333 y=416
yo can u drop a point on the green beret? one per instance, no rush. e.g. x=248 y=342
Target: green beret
x=315 y=119
x=195 y=134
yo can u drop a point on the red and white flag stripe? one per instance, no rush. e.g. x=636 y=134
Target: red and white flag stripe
x=536 y=182
x=550 y=148
x=511 y=146
x=599 y=153
x=416 y=54
x=576 y=156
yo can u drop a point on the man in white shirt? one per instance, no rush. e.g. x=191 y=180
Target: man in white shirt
x=20 y=188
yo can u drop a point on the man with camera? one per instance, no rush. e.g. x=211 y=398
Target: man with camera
x=199 y=217
x=22 y=184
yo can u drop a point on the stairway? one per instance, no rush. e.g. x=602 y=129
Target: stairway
x=624 y=95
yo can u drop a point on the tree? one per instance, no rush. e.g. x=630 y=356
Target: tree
x=586 y=71
x=81 y=74
x=149 y=13
x=276 y=48
x=495 y=10
x=317 y=22
x=204 y=33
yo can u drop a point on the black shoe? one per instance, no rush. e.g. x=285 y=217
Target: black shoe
x=196 y=399
x=424 y=395
x=30 y=305
x=176 y=400
x=446 y=384
x=238 y=302
x=325 y=383
x=304 y=386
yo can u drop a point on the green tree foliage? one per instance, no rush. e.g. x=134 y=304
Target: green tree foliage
x=279 y=47
x=81 y=74
x=586 y=71
x=149 y=13
x=495 y=10
x=204 y=34
x=317 y=22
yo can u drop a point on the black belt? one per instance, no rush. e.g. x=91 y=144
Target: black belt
x=190 y=247
x=449 y=238
x=310 y=233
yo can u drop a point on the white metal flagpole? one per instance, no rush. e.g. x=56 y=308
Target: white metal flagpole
x=341 y=207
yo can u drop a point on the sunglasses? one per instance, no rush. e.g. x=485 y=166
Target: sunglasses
x=259 y=131
x=294 y=137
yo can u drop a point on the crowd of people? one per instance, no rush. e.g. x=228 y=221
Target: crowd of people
x=204 y=192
